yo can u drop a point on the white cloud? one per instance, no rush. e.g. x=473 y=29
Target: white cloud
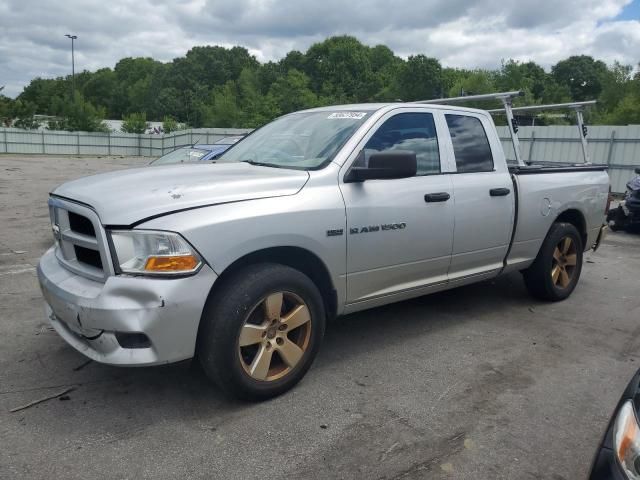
x=460 y=33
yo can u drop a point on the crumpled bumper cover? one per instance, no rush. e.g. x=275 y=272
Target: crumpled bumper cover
x=601 y=235
x=88 y=314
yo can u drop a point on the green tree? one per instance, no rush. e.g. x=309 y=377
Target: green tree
x=24 y=114
x=168 y=103
x=451 y=78
x=583 y=75
x=223 y=111
x=77 y=115
x=476 y=82
x=209 y=65
x=420 y=78
x=43 y=92
x=294 y=59
x=169 y=124
x=341 y=67
x=133 y=89
x=135 y=123
x=626 y=112
x=215 y=85
x=528 y=76
x=100 y=89
x=292 y=92
x=619 y=85
x=257 y=109
x=6 y=110
x=385 y=66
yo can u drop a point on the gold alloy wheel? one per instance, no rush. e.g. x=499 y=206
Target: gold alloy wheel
x=565 y=258
x=274 y=336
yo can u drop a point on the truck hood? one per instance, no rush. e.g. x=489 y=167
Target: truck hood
x=128 y=196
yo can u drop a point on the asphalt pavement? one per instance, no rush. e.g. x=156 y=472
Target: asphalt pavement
x=480 y=382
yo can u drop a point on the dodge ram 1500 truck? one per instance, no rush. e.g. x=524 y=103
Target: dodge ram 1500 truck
x=320 y=213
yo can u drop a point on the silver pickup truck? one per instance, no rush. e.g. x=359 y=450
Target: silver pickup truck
x=318 y=214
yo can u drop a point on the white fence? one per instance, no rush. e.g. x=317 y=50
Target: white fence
x=616 y=146
x=53 y=142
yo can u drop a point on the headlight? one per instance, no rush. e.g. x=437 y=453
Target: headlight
x=626 y=440
x=150 y=252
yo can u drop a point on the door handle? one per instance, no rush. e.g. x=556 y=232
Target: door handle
x=499 y=192
x=437 y=197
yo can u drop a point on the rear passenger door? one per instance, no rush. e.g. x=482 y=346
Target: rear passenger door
x=484 y=197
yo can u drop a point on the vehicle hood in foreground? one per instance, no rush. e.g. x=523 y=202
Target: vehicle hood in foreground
x=128 y=196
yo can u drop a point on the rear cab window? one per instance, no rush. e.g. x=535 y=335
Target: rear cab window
x=470 y=144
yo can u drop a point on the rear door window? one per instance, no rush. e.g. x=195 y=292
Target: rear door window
x=470 y=144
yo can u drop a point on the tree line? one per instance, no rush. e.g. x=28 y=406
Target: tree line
x=213 y=86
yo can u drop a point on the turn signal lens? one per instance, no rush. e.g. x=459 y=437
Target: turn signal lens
x=171 y=263
x=626 y=438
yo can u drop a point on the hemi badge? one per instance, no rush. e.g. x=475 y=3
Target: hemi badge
x=335 y=233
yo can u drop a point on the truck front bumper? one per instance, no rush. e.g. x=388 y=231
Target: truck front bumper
x=126 y=321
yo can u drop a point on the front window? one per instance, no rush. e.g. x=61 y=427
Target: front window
x=181 y=155
x=409 y=132
x=303 y=141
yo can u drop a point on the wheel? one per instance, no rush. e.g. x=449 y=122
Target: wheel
x=555 y=272
x=261 y=331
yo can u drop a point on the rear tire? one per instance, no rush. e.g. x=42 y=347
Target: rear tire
x=556 y=270
x=261 y=331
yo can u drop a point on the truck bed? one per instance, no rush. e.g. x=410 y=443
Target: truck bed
x=540 y=199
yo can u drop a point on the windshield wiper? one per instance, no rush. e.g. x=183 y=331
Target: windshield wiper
x=260 y=164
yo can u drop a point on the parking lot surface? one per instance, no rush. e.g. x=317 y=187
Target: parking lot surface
x=481 y=382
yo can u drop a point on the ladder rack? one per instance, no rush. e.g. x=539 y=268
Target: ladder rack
x=507 y=100
x=578 y=107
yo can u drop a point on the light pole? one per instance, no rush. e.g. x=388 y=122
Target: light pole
x=73 y=66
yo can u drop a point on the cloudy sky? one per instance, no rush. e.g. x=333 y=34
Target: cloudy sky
x=461 y=33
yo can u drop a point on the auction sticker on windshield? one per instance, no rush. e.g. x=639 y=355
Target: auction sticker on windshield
x=352 y=115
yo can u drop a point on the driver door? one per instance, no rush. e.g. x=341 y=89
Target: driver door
x=400 y=231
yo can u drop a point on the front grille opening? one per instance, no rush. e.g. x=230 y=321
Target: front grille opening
x=133 y=340
x=80 y=224
x=88 y=256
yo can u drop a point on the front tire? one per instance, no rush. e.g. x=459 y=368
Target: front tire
x=261 y=331
x=556 y=270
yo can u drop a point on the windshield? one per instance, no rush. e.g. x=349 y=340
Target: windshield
x=181 y=155
x=306 y=140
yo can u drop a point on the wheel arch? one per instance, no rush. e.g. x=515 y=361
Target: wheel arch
x=576 y=218
x=298 y=258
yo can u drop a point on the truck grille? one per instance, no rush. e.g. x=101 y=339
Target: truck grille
x=81 y=242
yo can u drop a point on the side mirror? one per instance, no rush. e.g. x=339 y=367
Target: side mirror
x=385 y=166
